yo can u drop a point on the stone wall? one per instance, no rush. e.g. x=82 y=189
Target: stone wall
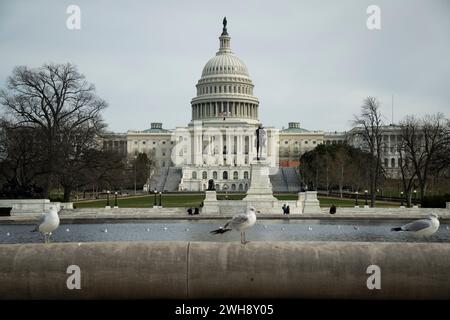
x=206 y=270
x=32 y=206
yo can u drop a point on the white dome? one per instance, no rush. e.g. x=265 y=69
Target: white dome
x=225 y=89
x=225 y=63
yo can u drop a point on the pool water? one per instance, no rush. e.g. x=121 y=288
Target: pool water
x=188 y=230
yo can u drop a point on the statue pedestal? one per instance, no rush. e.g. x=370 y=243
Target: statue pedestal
x=260 y=189
x=210 y=204
x=311 y=204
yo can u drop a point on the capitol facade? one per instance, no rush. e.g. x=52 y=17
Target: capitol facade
x=219 y=141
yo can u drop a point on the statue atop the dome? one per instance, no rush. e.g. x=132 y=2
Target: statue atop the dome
x=224 y=30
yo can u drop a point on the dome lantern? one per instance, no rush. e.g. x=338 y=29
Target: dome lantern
x=224 y=39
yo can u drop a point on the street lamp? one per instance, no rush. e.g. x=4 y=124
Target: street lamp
x=415 y=197
x=154 y=204
x=115 y=199
x=107 y=198
x=365 y=195
x=226 y=191
x=135 y=185
x=401 y=195
x=160 y=203
x=356 y=201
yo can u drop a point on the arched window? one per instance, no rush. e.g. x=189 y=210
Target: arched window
x=386 y=162
x=233 y=187
x=194 y=175
x=246 y=186
x=217 y=187
x=235 y=175
x=215 y=175
x=240 y=187
x=245 y=174
x=225 y=175
x=204 y=175
x=392 y=163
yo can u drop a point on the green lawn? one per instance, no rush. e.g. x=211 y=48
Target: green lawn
x=194 y=200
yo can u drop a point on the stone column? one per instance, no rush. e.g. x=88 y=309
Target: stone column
x=241 y=149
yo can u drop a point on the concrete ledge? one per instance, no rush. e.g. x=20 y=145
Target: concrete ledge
x=100 y=215
x=177 y=270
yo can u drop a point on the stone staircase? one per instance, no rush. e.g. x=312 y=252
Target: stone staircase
x=158 y=179
x=278 y=182
x=292 y=179
x=285 y=180
x=173 y=179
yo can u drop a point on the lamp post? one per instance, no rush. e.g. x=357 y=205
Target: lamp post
x=356 y=201
x=160 y=202
x=415 y=197
x=135 y=185
x=154 y=204
x=365 y=195
x=401 y=196
x=115 y=200
x=226 y=191
x=107 y=199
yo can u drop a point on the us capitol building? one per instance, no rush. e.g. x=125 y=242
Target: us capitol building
x=219 y=141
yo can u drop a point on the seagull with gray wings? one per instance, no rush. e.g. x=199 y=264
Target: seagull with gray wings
x=239 y=222
x=47 y=223
x=423 y=227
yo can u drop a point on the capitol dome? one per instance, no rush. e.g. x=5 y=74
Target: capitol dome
x=225 y=64
x=225 y=89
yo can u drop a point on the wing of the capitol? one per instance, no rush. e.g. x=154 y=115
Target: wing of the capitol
x=219 y=141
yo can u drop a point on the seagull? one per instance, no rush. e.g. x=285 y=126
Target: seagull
x=239 y=222
x=423 y=227
x=47 y=223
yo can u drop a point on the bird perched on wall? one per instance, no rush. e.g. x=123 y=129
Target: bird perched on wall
x=239 y=222
x=423 y=227
x=48 y=223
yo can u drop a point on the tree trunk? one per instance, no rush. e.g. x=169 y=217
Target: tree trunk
x=67 y=192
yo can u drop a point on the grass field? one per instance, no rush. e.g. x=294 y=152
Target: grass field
x=194 y=200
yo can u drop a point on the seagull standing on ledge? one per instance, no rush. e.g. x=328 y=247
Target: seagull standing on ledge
x=423 y=227
x=239 y=222
x=48 y=223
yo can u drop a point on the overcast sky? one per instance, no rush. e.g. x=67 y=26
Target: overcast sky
x=310 y=62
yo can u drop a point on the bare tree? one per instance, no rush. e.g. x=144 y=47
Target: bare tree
x=58 y=100
x=21 y=163
x=425 y=144
x=370 y=132
x=407 y=149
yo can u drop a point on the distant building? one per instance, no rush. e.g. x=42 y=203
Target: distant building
x=295 y=141
x=390 y=156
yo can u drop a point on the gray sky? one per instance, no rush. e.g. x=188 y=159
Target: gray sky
x=310 y=62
